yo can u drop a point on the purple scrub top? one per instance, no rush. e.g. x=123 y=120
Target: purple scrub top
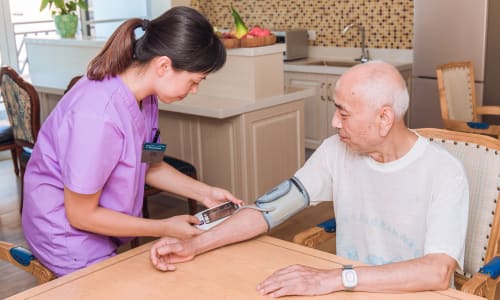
x=91 y=141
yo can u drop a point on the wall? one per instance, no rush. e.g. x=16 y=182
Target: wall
x=388 y=23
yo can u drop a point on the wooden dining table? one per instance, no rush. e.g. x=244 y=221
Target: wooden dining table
x=230 y=272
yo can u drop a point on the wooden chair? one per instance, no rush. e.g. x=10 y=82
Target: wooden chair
x=480 y=156
x=7 y=143
x=23 y=109
x=457 y=97
x=23 y=259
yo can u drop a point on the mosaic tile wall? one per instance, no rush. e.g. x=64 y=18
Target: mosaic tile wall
x=388 y=23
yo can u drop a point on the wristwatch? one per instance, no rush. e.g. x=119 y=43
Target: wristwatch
x=349 y=277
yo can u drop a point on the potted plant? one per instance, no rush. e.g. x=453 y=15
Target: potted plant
x=64 y=13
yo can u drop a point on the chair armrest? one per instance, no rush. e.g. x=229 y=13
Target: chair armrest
x=492 y=130
x=485 y=283
x=317 y=235
x=491 y=268
x=23 y=259
x=488 y=110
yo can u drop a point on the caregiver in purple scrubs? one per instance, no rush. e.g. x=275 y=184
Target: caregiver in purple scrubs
x=85 y=179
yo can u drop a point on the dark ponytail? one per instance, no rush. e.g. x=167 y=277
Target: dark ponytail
x=117 y=54
x=182 y=34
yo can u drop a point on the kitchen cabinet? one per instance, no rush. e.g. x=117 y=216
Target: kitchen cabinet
x=247 y=154
x=319 y=108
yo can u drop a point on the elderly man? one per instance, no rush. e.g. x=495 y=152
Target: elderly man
x=394 y=211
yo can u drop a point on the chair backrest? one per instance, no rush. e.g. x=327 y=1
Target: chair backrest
x=72 y=82
x=457 y=93
x=480 y=156
x=23 y=106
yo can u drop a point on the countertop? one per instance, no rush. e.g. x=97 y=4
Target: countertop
x=220 y=107
x=334 y=66
x=402 y=59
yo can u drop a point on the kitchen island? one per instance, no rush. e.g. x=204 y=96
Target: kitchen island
x=243 y=130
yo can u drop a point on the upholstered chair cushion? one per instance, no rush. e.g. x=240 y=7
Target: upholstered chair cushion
x=483 y=171
x=18 y=109
x=459 y=96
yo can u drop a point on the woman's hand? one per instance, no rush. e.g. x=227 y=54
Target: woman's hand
x=181 y=226
x=168 y=251
x=217 y=196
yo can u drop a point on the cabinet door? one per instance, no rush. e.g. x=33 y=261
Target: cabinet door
x=177 y=132
x=274 y=146
x=315 y=107
x=217 y=146
x=330 y=110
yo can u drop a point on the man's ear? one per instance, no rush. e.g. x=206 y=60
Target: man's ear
x=386 y=118
x=162 y=64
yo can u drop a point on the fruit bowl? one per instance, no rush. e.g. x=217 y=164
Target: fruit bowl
x=230 y=43
x=257 y=41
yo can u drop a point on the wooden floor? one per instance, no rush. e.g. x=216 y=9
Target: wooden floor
x=13 y=280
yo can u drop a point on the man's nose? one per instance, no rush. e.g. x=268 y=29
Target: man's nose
x=336 y=123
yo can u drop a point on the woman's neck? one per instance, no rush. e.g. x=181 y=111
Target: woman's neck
x=136 y=79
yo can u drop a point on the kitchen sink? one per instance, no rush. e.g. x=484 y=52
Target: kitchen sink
x=332 y=63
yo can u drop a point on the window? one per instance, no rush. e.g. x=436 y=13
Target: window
x=100 y=20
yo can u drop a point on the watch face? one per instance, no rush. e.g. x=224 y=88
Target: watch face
x=349 y=278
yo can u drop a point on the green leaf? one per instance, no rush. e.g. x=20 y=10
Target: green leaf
x=59 y=4
x=82 y=4
x=44 y=4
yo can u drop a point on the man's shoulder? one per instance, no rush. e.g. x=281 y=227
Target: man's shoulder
x=332 y=141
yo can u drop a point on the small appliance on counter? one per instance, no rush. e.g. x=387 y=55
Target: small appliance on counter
x=296 y=42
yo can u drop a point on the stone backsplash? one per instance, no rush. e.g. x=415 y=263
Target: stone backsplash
x=388 y=23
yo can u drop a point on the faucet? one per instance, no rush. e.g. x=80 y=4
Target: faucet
x=365 y=56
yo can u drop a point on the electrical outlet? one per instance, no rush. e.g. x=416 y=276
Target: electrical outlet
x=311 y=35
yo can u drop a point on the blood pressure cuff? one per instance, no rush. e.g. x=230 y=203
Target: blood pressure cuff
x=282 y=202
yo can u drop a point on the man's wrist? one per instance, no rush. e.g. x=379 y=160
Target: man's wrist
x=349 y=277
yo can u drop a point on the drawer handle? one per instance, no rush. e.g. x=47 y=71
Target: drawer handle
x=328 y=89
x=322 y=91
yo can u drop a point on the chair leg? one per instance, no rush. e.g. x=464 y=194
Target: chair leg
x=145 y=211
x=192 y=204
x=193 y=207
x=13 y=151
x=134 y=243
x=22 y=191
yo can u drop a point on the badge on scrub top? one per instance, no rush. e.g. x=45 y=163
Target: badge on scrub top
x=153 y=152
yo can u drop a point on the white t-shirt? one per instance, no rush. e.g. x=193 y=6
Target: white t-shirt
x=390 y=212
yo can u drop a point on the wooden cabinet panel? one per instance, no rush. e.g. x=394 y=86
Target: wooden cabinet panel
x=275 y=146
x=177 y=133
x=219 y=153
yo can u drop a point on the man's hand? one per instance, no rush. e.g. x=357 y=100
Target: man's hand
x=301 y=280
x=168 y=251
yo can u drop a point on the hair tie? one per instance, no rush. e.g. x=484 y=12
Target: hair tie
x=145 y=24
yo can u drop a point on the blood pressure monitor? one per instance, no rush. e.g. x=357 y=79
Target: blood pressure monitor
x=215 y=215
x=277 y=205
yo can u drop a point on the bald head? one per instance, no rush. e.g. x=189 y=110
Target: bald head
x=379 y=84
